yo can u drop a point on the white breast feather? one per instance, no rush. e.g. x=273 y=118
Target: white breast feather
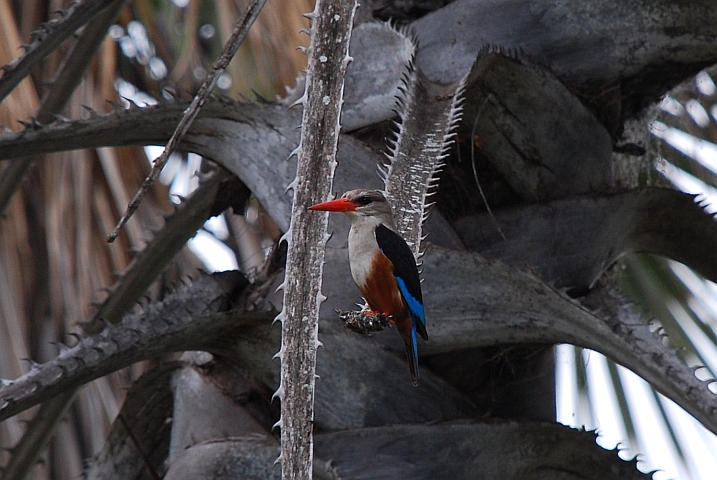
x=362 y=249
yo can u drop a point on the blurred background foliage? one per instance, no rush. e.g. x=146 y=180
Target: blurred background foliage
x=54 y=260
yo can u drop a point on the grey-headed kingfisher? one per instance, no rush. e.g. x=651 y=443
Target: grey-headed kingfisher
x=383 y=266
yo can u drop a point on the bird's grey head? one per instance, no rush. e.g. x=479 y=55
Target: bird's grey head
x=369 y=203
x=361 y=206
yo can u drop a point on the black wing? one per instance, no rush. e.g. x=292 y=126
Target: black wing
x=406 y=272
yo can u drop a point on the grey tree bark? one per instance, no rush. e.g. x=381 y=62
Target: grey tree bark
x=330 y=32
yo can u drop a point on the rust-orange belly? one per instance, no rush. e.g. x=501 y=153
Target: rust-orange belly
x=382 y=294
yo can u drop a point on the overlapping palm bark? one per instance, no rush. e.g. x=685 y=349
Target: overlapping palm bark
x=471 y=301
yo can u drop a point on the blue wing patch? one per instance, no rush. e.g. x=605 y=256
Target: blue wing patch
x=414 y=305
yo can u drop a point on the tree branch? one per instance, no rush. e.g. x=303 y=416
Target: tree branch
x=485 y=449
x=328 y=59
x=48 y=38
x=181 y=322
x=241 y=29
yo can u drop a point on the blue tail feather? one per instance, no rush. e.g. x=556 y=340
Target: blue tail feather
x=412 y=353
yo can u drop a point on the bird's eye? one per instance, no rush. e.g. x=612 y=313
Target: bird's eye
x=365 y=200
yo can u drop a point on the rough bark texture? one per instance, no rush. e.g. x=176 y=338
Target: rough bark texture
x=600 y=43
x=548 y=143
x=537 y=451
x=316 y=158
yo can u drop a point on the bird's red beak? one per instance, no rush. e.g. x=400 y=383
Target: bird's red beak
x=338 y=205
